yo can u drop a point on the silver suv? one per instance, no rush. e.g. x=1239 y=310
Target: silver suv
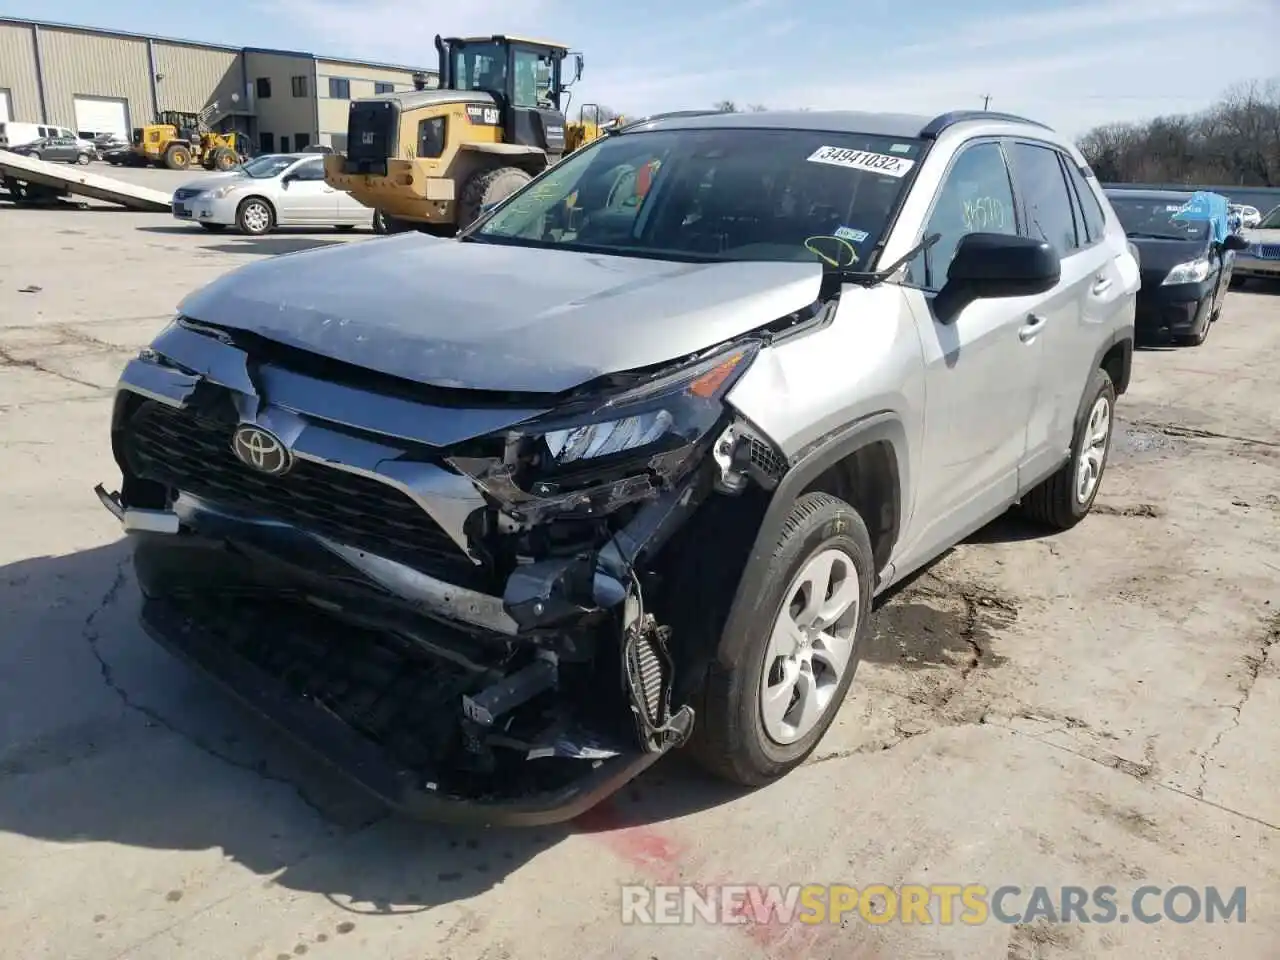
x=493 y=522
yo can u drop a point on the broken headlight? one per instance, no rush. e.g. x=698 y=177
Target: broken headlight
x=642 y=425
x=596 y=455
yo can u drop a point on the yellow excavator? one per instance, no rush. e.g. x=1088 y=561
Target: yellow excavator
x=434 y=158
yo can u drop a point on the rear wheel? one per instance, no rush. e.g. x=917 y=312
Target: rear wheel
x=1237 y=282
x=82 y=159
x=255 y=217
x=177 y=157
x=488 y=187
x=1066 y=498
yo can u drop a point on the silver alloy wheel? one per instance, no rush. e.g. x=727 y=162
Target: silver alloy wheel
x=810 y=645
x=256 y=216
x=1093 y=450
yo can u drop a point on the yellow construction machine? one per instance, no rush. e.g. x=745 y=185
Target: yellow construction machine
x=433 y=159
x=177 y=140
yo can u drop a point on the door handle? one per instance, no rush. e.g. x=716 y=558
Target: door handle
x=1035 y=323
x=1101 y=283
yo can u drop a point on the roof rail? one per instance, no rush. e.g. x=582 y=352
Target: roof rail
x=669 y=115
x=934 y=127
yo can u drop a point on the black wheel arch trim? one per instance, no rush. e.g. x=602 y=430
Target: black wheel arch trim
x=809 y=464
x=1125 y=336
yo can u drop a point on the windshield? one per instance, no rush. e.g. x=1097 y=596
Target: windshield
x=706 y=195
x=1271 y=221
x=481 y=66
x=1159 y=219
x=271 y=165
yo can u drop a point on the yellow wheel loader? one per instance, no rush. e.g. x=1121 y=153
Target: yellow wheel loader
x=433 y=159
x=177 y=140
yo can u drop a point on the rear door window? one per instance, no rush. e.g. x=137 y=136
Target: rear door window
x=1044 y=191
x=1095 y=221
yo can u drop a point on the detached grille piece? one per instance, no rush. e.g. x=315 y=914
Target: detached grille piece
x=193 y=454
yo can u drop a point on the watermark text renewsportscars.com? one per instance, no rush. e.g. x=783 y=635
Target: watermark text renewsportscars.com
x=937 y=903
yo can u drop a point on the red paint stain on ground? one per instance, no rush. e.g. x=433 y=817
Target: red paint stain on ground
x=660 y=857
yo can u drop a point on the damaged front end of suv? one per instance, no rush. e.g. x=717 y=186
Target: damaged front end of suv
x=461 y=598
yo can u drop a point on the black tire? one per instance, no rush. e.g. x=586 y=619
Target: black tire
x=486 y=187
x=214 y=227
x=177 y=157
x=1196 y=339
x=223 y=159
x=729 y=739
x=247 y=220
x=1054 y=502
x=1237 y=283
x=83 y=159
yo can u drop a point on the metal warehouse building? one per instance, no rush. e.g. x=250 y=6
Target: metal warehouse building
x=100 y=81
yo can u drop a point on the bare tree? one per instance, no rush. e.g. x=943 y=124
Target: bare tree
x=727 y=106
x=1234 y=142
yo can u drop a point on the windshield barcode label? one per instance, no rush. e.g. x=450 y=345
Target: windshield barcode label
x=862 y=160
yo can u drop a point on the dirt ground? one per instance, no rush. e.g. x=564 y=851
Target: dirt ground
x=1098 y=707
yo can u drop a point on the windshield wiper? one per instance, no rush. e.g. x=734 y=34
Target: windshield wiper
x=873 y=277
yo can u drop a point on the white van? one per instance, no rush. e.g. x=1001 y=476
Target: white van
x=14 y=133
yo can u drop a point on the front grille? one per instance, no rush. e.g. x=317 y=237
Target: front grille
x=180 y=195
x=1267 y=251
x=193 y=454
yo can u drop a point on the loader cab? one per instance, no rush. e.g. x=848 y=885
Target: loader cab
x=526 y=78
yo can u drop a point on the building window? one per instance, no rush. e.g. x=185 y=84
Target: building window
x=339 y=88
x=284 y=143
x=299 y=86
x=301 y=141
x=267 y=142
x=264 y=88
x=381 y=86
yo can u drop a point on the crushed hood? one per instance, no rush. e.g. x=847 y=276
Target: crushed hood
x=488 y=317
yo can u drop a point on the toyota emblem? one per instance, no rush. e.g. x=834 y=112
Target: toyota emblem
x=261 y=450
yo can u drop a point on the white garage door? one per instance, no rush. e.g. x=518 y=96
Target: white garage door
x=6 y=110
x=102 y=115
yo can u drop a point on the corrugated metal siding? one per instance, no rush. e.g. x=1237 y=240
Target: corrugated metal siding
x=76 y=62
x=283 y=114
x=196 y=76
x=18 y=72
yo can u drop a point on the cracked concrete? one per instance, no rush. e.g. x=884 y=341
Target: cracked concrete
x=1098 y=707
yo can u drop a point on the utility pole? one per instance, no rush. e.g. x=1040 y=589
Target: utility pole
x=986 y=99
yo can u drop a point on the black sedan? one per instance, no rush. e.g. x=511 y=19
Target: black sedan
x=1185 y=271
x=56 y=149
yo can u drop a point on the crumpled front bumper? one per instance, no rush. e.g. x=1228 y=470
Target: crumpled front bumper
x=323 y=733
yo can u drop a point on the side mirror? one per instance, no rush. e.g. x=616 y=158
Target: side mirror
x=1235 y=242
x=287 y=179
x=990 y=265
x=577 y=67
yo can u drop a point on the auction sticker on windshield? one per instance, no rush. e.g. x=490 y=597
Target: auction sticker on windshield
x=863 y=160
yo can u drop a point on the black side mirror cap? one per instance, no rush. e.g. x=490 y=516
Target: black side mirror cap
x=1235 y=242
x=991 y=265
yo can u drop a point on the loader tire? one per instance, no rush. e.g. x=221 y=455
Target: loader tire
x=223 y=159
x=486 y=187
x=177 y=158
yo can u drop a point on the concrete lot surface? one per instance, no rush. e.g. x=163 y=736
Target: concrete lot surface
x=1098 y=707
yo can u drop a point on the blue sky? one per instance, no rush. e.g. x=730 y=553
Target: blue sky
x=1072 y=63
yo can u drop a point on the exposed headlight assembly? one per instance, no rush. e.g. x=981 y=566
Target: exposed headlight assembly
x=1193 y=271
x=599 y=454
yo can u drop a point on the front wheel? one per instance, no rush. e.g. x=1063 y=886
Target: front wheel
x=764 y=715
x=1066 y=498
x=255 y=217
x=1237 y=283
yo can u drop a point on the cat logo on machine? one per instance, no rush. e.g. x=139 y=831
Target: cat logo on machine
x=485 y=116
x=367 y=138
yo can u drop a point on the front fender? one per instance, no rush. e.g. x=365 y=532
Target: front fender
x=805 y=468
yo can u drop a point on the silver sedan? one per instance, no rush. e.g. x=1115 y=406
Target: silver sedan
x=274 y=190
